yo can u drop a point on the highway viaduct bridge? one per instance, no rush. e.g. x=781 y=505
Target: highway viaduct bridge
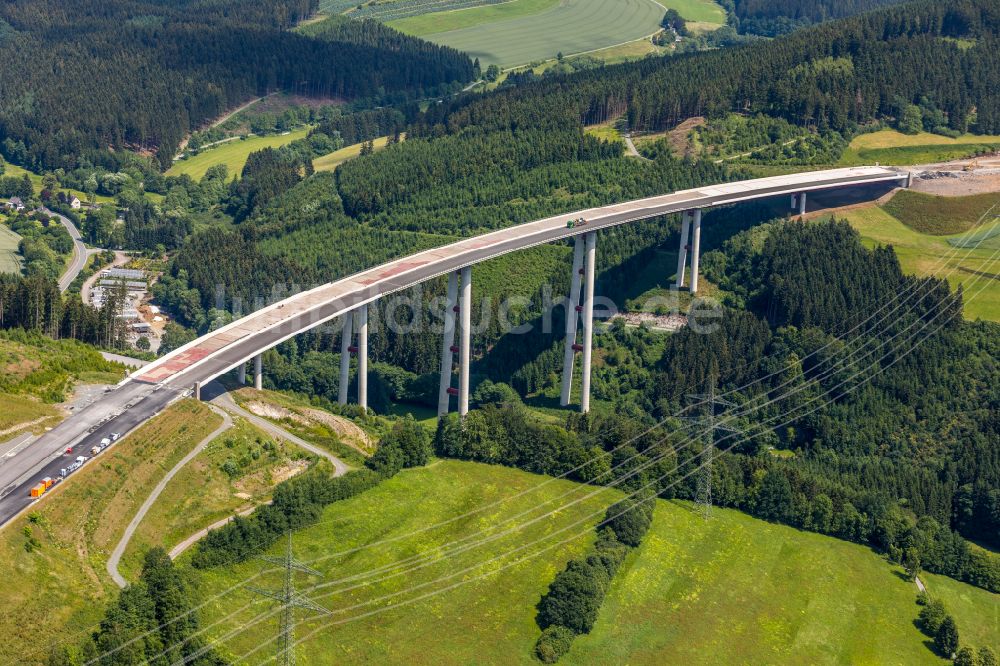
x=151 y=389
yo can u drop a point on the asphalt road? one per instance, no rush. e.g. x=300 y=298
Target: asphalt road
x=79 y=250
x=45 y=457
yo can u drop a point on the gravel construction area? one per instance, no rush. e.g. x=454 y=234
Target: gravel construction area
x=958 y=183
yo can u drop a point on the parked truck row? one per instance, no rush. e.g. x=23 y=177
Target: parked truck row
x=42 y=486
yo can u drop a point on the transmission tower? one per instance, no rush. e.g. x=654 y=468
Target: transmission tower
x=707 y=425
x=290 y=600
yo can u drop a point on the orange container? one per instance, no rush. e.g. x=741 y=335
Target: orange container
x=47 y=481
x=36 y=491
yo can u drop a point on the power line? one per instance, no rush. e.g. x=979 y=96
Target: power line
x=707 y=426
x=290 y=600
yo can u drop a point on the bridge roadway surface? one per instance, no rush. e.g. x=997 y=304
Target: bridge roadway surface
x=151 y=389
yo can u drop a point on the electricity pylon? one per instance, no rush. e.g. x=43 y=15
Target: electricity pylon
x=290 y=600
x=707 y=426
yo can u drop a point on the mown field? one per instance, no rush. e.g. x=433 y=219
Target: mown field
x=486 y=621
x=57 y=588
x=732 y=590
x=528 y=30
x=231 y=153
x=893 y=148
x=435 y=21
x=976 y=612
x=10 y=258
x=331 y=161
x=976 y=266
x=943 y=216
x=737 y=590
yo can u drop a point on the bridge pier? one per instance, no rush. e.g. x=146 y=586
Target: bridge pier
x=241 y=374
x=347 y=347
x=695 y=249
x=465 y=345
x=448 y=347
x=802 y=203
x=590 y=259
x=683 y=252
x=363 y=356
x=196 y=392
x=573 y=309
x=346 y=339
x=258 y=372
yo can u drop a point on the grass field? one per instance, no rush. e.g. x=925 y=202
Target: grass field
x=232 y=153
x=894 y=148
x=605 y=132
x=486 y=621
x=697 y=11
x=732 y=590
x=427 y=24
x=10 y=258
x=529 y=30
x=60 y=588
x=331 y=161
x=203 y=493
x=921 y=254
x=19 y=413
x=976 y=611
x=943 y=216
x=737 y=590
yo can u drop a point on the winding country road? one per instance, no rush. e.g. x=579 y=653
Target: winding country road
x=116 y=554
x=223 y=405
x=225 y=400
x=80 y=252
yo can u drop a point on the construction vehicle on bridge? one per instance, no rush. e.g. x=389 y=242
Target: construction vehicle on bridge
x=579 y=222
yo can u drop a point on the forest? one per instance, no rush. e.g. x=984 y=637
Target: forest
x=771 y=18
x=177 y=66
x=835 y=75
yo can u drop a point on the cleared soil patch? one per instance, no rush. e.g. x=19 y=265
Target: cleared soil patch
x=311 y=424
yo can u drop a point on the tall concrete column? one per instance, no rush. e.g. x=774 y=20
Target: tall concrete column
x=695 y=250
x=346 y=339
x=683 y=252
x=241 y=374
x=196 y=391
x=363 y=356
x=588 y=318
x=794 y=202
x=572 y=319
x=448 y=345
x=802 y=203
x=465 y=347
x=258 y=372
